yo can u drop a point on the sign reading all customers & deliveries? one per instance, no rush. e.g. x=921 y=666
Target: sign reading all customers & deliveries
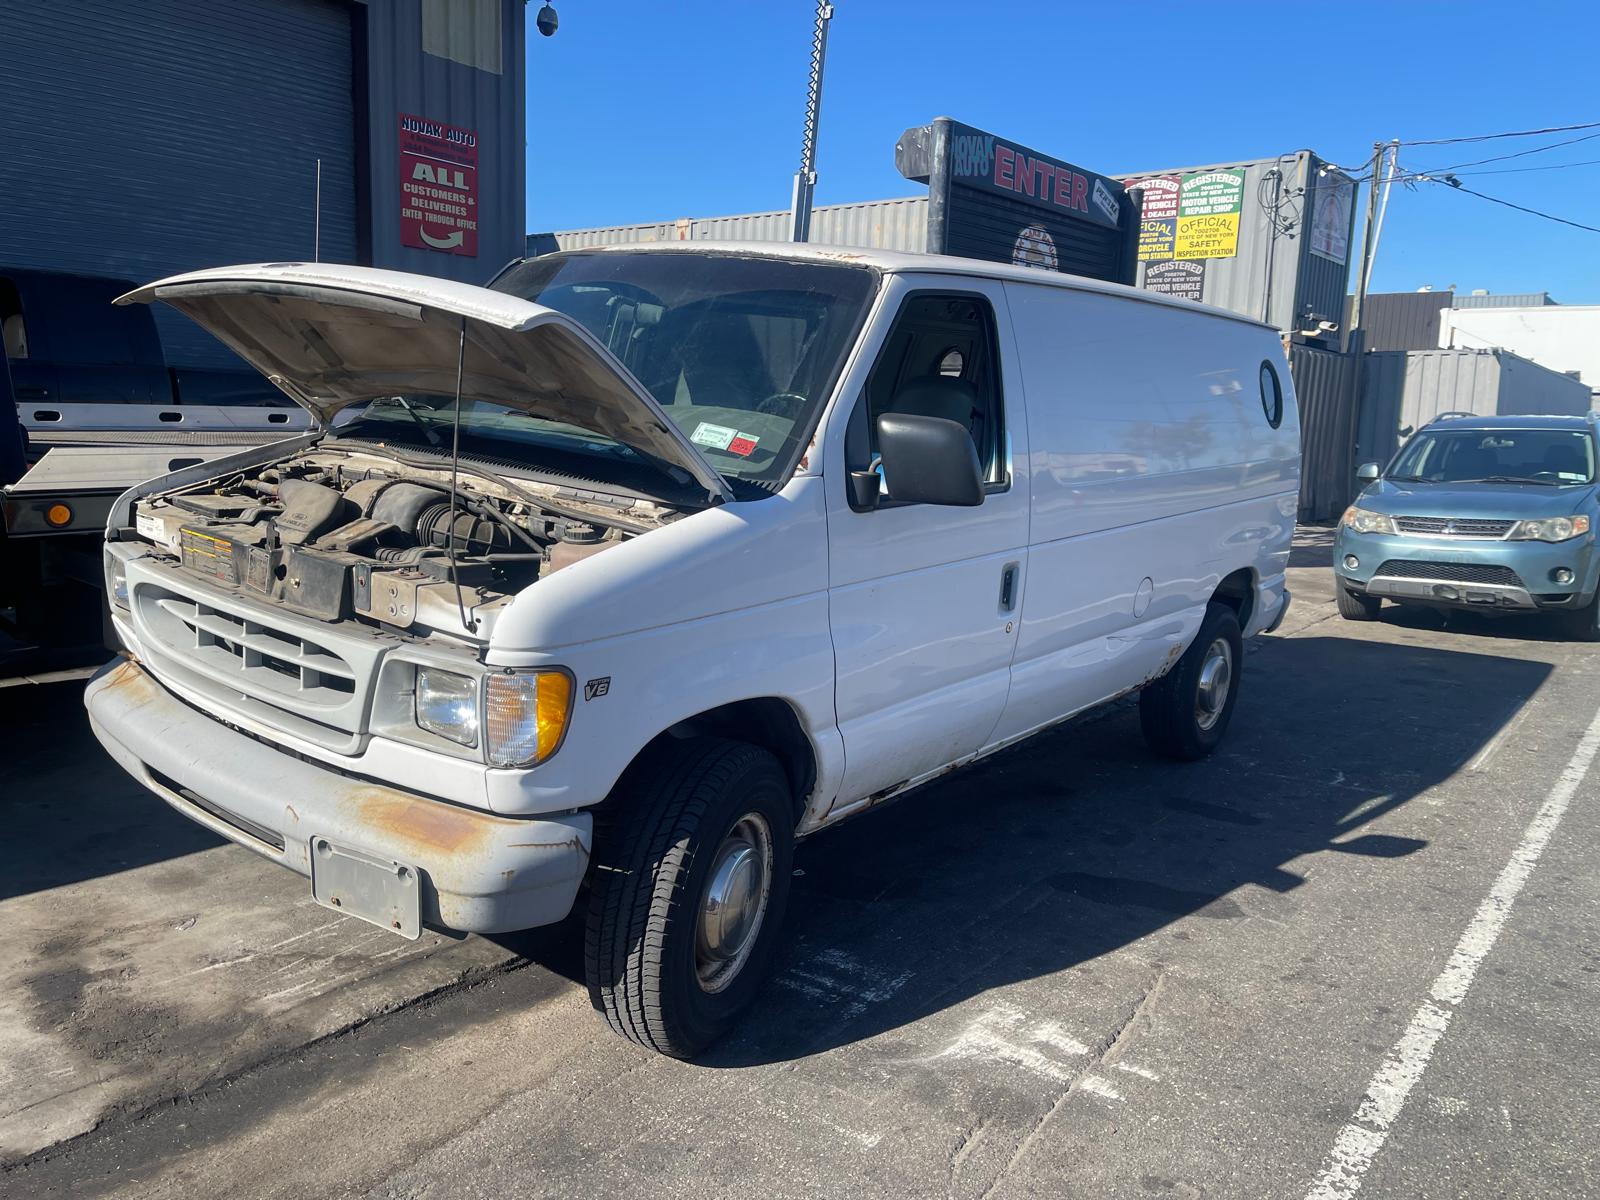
x=438 y=186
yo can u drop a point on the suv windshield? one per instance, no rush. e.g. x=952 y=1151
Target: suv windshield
x=1547 y=456
x=741 y=352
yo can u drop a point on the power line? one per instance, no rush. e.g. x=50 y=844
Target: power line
x=1582 y=162
x=1449 y=181
x=1489 y=137
x=1588 y=137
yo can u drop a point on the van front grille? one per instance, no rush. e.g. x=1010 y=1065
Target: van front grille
x=270 y=659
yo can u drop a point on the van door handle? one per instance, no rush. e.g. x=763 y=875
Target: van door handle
x=1008 y=588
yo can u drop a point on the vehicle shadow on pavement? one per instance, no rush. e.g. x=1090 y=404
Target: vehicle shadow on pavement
x=1081 y=842
x=1520 y=627
x=70 y=812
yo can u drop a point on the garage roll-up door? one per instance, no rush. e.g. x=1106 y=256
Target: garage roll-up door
x=152 y=137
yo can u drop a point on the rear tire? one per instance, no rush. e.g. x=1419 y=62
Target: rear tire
x=1357 y=608
x=1185 y=713
x=688 y=893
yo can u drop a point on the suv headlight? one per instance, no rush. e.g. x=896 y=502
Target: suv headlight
x=525 y=716
x=447 y=704
x=1551 y=529
x=1364 y=520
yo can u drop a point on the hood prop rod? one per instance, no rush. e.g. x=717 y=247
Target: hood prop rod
x=455 y=475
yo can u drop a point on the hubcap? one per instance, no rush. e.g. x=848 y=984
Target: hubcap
x=734 y=903
x=1216 y=680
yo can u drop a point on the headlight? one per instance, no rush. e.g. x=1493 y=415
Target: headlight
x=1551 y=529
x=525 y=716
x=1364 y=520
x=447 y=704
x=117 y=580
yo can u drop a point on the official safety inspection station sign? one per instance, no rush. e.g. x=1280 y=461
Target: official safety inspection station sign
x=438 y=186
x=1190 y=216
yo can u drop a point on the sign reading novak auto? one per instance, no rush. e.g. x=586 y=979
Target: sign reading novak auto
x=438 y=186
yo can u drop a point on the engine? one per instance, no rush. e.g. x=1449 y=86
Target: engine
x=340 y=539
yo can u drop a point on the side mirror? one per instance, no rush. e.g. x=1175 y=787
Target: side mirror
x=1368 y=472
x=929 y=460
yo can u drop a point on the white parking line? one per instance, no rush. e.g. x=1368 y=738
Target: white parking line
x=1358 y=1142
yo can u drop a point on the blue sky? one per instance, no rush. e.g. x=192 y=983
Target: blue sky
x=642 y=111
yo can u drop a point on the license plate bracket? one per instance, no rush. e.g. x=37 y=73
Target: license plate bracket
x=381 y=891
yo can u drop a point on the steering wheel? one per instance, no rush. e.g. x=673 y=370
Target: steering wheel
x=783 y=404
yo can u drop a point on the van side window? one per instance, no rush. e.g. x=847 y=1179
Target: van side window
x=13 y=330
x=940 y=360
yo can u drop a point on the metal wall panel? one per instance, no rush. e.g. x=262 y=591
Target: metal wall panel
x=1404 y=390
x=900 y=224
x=403 y=79
x=1401 y=320
x=1509 y=300
x=151 y=138
x=1325 y=388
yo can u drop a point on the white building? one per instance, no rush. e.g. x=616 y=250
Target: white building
x=1563 y=337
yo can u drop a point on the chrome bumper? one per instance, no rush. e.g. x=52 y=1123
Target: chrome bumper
x=480 y=873
x=1458 y=595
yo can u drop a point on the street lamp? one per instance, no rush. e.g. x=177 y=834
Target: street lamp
x=805 y=179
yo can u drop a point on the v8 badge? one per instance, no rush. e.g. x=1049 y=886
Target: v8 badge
x=596 y=688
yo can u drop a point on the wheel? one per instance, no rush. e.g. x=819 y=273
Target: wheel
x=1583 y=624
x=1185 y=713
x=686 y=906
x=1357 y=608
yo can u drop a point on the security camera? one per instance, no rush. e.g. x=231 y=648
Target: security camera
x=546 y=22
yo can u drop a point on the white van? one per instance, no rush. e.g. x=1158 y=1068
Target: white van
x=629 y=572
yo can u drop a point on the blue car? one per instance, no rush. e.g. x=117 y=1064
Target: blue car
x=1493 y=514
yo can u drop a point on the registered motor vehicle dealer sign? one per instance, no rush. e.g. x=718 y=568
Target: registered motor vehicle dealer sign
x=438 y=186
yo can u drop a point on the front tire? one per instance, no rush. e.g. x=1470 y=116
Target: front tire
x=690 y=884
x=1185 y=713
x=1583 y=624
x=1357 y=608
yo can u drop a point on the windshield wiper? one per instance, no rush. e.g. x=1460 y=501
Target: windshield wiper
x=428 y=431
x=1510 y=479
x=1409 y=478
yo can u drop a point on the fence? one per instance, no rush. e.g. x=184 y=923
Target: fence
x=1325 y=383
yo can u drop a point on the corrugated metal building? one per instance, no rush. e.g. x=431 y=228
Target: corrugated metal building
x=1404 y=390
x=1291 y=262
x=150 y=138
x=1290 y=267
x=1401 y=320
x=880 y=224
x=1503 y=300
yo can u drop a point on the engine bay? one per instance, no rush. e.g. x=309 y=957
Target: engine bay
x=342 y=535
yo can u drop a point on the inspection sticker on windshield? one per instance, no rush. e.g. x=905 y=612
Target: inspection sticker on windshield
x=718 y=437
x=722 y=437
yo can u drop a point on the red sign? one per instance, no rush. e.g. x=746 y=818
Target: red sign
x=438 y=186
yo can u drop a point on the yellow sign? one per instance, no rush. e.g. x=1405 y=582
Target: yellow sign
x=1214 y=236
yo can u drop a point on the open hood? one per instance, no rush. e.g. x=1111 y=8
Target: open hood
x=331 y=336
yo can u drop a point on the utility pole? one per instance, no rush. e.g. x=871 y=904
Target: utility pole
x=1369 y=240
x=805 y=179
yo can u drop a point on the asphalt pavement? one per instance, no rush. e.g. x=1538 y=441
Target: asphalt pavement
x=1355 y=950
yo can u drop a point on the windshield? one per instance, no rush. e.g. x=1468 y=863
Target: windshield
x=1548 y=456
x=741 y=352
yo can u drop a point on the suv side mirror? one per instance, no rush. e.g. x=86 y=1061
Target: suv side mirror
x=1368 y=472
x=929 y=460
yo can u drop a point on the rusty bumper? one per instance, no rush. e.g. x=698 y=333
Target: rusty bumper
x=481 y=873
